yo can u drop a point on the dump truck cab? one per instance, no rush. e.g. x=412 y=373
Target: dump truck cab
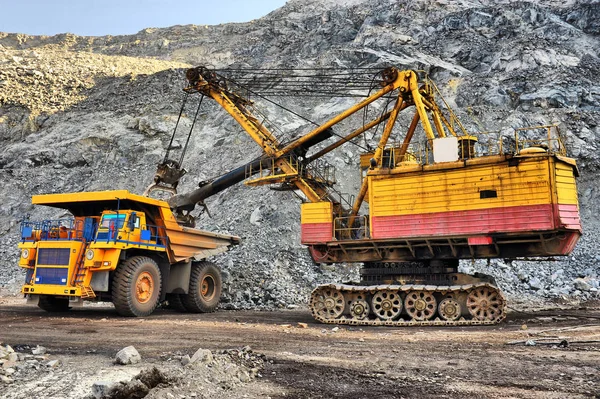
x=118 y=247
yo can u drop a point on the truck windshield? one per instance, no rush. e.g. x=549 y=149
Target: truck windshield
x=115 y=221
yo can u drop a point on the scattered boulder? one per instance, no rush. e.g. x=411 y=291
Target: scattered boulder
x=535 y=283
x=185 y=360
x=581 y=284
x=202 y=355
x=128 y=355
x=39 y=350
x=101 y=389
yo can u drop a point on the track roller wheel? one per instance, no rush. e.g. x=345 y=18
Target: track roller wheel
x=359 y=309
x=328 y=303
x=136 y=286
x=205 y=288
x=449 y=309
x=485 y=304
x=51 y=303
x=387 y=305
x=420 y=305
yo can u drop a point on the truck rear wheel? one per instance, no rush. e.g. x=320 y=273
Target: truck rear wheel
x=51 y=303
x=136 y=287
x=205 y=288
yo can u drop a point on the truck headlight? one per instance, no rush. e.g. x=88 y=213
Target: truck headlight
x=89 y=254
x=25 y=253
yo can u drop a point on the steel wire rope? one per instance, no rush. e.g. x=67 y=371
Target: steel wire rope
x=330 y=82
x=185 y=97
x=191 y=129
x=286 y=109
x=366 y=110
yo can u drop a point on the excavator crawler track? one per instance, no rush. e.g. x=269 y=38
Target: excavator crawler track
x=408 y=305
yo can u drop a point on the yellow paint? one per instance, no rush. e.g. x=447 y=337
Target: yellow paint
x=30 y=246
x=316 y=212
x=565 y=184
x=186 y=242
x=49 y=289
x=102 y=255
x=458 y=189
x=93 y=196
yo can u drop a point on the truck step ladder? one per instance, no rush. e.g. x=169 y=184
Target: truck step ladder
x=87 y=292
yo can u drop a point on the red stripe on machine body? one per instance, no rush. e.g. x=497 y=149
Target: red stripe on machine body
x=568 y=216
x=316 y=233
x=477 y=221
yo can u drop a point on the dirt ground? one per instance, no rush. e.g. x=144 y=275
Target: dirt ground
x=317 y=361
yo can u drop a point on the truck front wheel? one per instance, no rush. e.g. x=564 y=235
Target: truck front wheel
x=205 y=288
x=136 y=287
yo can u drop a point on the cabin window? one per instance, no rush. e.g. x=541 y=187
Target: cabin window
x=114 y=220
x=488 y=194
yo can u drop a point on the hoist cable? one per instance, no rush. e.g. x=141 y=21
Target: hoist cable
x=175 y=130
x=190 y=133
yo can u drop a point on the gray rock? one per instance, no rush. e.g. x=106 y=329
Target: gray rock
x=256 y=217
x=244 y=376
x=6 y=380
x=101 y=389
x=581 y=284
x=128 y=355
x=185 y=360
x=550 y=97
x=535 y=283
x=203 y=356
x=39 y=350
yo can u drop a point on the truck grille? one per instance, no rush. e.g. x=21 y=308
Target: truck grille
x=53 y=256
x=51 y=275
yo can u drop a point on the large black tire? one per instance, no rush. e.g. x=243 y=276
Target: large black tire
x=176 y=302
x=205 y=288
x=136 y=287
x=53 y=304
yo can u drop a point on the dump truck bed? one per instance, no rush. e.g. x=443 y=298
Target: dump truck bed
x=183 y=243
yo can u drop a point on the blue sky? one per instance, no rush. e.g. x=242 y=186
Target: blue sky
x=112 y=17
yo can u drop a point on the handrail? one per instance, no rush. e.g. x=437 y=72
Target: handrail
x=52 y=229
x=489 y=143
x=358 y=230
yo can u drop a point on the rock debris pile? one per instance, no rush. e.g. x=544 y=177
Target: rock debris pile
x=205 y=374
x=31 y=372
x=81 y=113
x=24 y=362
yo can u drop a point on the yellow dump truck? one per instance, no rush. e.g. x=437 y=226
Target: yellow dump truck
x=122 y=248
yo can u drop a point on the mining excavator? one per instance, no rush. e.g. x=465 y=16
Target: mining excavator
x=430 y=201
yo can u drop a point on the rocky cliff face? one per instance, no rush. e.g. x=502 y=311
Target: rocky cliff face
x=95 y=113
